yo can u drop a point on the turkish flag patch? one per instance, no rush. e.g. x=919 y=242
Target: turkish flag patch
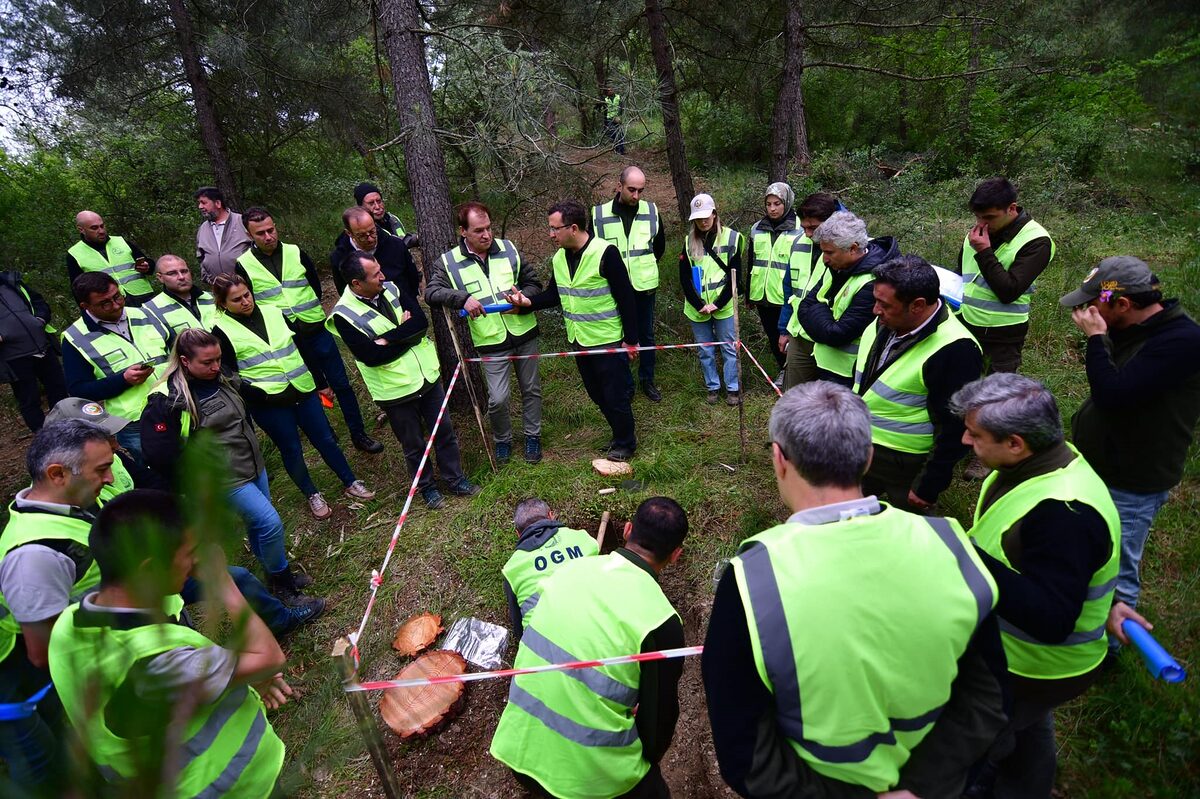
x=160 y=428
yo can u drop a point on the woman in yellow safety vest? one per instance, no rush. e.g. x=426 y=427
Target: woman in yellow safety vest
x=769 y=251
x=710 y=261
x=256 y=343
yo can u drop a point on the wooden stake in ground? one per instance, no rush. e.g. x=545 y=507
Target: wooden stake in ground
x=367 y=727
x=603 y=529
x=466 y=373
x=737 y=337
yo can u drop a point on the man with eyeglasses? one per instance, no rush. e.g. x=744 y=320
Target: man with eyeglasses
x=181 y=304
x=361 y=233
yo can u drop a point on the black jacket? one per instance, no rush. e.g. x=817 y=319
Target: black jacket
x=1136 y=427
x=393 y=256
x=22 y=321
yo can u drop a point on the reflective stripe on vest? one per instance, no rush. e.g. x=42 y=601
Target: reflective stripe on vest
x=637 y=249
x=898 y=399
x=574 y=732
x=713 y=278
x=800 y=273
x=871 y=693
x=110 y=354
x=526 y=569
x=980 y=305
x=396 y=379
x=117 y=262
x=30 y=527
x=292 y=294
x=1086 y=646
x=488 y=287
x=839 y=360
x=396 y=223
x=228 y=748
x=589 y=311
x=269 y=365
x=770 y=261
x=176 y=316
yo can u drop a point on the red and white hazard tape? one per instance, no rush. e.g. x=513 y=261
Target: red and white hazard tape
x=641 y=657
x=377 y=575
x=764 y=371
x=598 y=351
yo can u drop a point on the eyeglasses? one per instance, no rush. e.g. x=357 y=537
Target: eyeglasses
x=556 y=228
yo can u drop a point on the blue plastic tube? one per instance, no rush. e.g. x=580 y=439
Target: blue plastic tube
x=1158 y=660
x=499 y=307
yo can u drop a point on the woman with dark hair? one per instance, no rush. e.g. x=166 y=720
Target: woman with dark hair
x=256 y=343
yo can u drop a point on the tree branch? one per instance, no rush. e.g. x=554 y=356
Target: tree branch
x=927 y=78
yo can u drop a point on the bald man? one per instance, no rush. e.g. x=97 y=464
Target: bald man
x=634 y=226
x=96 y=251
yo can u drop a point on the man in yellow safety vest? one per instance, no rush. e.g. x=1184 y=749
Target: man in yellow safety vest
x=97 y=251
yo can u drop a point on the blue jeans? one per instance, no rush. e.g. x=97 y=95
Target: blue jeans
x=273 y=612
x=717 y=330
x=1137 y=513
x=283 y=425
x=264 y=528
x=130 y=438
x=31 y=745
x=321 y=355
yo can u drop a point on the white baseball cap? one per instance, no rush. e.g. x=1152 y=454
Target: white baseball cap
x=702 y=206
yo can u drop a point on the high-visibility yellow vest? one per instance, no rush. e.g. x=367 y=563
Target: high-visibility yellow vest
x=488 y=287
x=899 y=399
x=589 y=309
x=31 y=526
x=612 y=108
x=399 y=378
x=770 y=261
x=122 y=480
x=526 y=570
x=176 y=316
x=396 y=223
x=226 y=748
x=110 y=353
x=637 y=249
x=116 y=262
x=713 y=278
x=293 y=295
x=859 y=684
x=1087 y=644
x=574 y=732
x=980 y=305
x=839 y=360
x=804 y=276
x=270 y=365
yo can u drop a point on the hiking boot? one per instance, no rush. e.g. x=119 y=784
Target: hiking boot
x=976 y=469
x=713 y=397
x=462 y=487
x=779 y=380
x=433 y=498
x=301 y=580
x=503 y=452
x=359 y=491
x=307 y=611
x=365 y=443
x=318 y=507
x=533 y=449
x=283 y=585
x=651 y=391
x=621 y=454
x=733 y=398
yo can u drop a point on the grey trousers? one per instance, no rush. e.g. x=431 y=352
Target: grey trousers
x=801 y=366
x=497 y=374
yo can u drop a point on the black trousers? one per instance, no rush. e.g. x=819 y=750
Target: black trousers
x=411 y=422
x=28 y=372
x=606 y=380
x=891 y=476
x=769 y=316
x=1002 y=346
x=652 y=786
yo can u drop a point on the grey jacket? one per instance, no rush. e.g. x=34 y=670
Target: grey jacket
x=23 y=318
x=221 y=260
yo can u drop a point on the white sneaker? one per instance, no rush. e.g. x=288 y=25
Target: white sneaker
x=318 y=507
x=359 y=491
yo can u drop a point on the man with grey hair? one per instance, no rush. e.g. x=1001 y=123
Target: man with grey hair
x=543 y=544
x=45 y=564
x=909 y=364
x=837 y=303
x=1049 y=533
x=862 y=653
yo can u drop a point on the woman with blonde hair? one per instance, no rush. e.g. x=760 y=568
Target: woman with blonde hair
x=193 y=395
x=710 y=259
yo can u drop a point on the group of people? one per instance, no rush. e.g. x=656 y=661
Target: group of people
x=888 y=388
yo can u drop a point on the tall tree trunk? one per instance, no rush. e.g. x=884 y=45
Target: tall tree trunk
x=424 y=161
x=789 y=128
x=681 y=176
x=211 y=134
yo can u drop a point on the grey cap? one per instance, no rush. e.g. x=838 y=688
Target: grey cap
x=1118 y=274
x=88 y=411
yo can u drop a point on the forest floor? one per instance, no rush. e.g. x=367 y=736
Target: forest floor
x=1128 y=736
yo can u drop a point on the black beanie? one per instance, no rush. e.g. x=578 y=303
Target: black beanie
x=363 y=189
